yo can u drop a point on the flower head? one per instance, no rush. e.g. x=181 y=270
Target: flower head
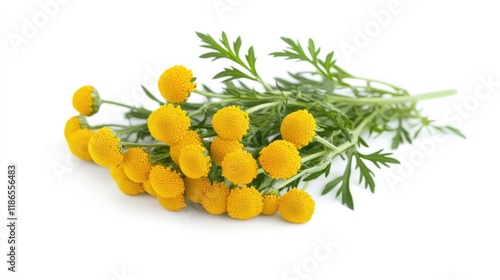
x=190 y=138
x=231 y=123
x=168 y=123
x=79 y=143
x=280 y=159
x=176 y=83
x=124 y=183
x=270 y=204
x=298 y=128
x=220 y=147
x=196 y=188
x=173 y=203
x=86 y=100
x=136 y=164
x=166 y=182
x=244 y=203
x=296 y=206
x=193 y=162
x=148 y=188
x=215 y=198
x=104 y=147
x=239 y=167
x=74 y=124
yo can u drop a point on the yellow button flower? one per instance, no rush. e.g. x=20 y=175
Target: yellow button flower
x=215 y=198
x=296 y=206
x=190 y=138
x=280 y=159
x=298 y=128
x=104 y=147
x=193 y=162
x=172 y=203
x=168 y=123
x=124 y=183
x=148 y=188
x=73 y=125
x=220 y=147
x=136 y=164
x=196 y=188
x=244 y=203
x=86 y=100
x=166 y=182
x=270 y=204
x=239 y=167
x=231 y=123
x=176 y=83
x=79 y=143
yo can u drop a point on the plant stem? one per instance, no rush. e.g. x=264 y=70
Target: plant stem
x=142 y=110
x=392 y=100
x=325 y=142
x=262 y=106
x=132 y=144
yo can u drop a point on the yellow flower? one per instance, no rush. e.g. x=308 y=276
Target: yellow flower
x=166 y=182
x=270 y=204
x=280 y=159
x=298 y=128
x=73 y=125
x=148 y=188
x=190 y=138
x=215 y=198
x=196 y=188
x=244 y=203
x=193 y=162
x=79 y=143
x=136 y=164
x=239 y=167
x=125 y=185
x=176 y=83
x=104 y=147
x=86 y=100
x=173 y=203
x=296 y=206
x=168 y=123
x=231 y=123
x=220 y=147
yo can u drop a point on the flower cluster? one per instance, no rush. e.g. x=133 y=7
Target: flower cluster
x=209 y=165
x=246 y=150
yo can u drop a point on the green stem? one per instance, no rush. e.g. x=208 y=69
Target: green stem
x=132 y=144
x=210 y=104
x=262 y=106
x=325 y=142
x=376 y=81
x=392 y=100
x=313 y=156
x=142 y=110
x=210 y=94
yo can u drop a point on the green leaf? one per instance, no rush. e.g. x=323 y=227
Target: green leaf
x=331 y=185
x=344 y=189
x=151 y=96
x=456 y=131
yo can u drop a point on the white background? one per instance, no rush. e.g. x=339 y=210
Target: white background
x=438 y=220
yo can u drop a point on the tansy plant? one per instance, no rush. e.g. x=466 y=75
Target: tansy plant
x=253 y=146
